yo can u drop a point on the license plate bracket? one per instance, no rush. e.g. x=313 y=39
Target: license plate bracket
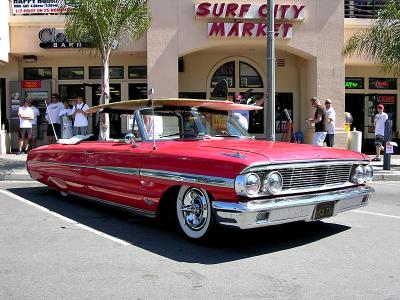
x=323 y=210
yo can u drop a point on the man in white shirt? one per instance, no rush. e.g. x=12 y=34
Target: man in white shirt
x=25 y=115
x=379 y=122
x=36 y=113
x=53 y=118
x=80 y=113
x=330 y=118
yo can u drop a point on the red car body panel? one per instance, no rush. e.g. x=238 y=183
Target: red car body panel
x=110 y=170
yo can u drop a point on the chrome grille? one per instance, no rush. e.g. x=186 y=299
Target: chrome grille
x=314 y=176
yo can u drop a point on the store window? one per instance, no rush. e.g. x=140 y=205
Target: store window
x=37 y=73
x=389 y=101
x=137 y=72
x=137 y=91
x=250 y=87
x=115 y=72
x=249 y=77
x=71 y=91
x=69 y=73
x=227 y=72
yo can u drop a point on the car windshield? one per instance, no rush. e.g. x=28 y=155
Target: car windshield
x=189 y=123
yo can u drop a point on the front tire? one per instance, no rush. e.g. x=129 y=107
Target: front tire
x=194 y=214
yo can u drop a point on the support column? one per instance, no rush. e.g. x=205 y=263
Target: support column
x=162 y=49
x=324 y=79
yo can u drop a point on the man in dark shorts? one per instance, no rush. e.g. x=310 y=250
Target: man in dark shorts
x=25 y=115
x=53 y=118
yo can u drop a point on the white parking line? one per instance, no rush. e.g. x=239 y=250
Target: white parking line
x=84 y=227
x=376 y=214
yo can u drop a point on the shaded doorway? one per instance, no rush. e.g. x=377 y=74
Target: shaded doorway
x=355 y=105
x=3 y=103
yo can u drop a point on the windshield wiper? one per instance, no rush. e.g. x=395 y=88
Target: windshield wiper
x=230 y=135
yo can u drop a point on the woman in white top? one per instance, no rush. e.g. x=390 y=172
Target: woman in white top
x=80 y=113
x=66 y=121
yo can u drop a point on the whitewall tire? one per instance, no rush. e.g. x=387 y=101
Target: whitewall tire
x=193 y=210
x=64 y=194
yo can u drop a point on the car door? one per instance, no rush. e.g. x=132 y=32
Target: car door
x=113 y=173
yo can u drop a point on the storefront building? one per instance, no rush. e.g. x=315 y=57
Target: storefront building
x=193 y=44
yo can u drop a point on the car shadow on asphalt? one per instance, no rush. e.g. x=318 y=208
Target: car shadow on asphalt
x=227 y=244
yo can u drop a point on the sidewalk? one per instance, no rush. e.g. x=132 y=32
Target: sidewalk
x=13 y=168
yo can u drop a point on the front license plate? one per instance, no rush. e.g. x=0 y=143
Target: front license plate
x=323 y=210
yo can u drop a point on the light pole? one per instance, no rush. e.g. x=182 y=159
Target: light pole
x=269 y=106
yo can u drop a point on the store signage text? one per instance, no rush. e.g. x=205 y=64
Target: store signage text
x=386 y=99
x=354 y=83
x=235 y=19
x=383 y=83
x=31 y=84
x=29 y=7
x=56 y=38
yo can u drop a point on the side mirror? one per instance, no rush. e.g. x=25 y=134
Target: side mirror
x=130 y=139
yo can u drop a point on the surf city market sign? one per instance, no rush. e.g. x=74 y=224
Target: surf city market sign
x=233 y=20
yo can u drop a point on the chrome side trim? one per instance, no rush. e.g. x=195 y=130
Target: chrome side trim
x=167 y=175
x=266 y=212
x=61 y=164
x=137 y=211
x=189 y=178
x=263 y=166
x=121 y=170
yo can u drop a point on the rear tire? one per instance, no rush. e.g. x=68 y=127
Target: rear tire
x=194 y=213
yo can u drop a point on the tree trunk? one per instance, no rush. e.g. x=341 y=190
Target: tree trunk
x=104 y=99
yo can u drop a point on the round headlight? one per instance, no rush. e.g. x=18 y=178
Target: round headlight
x=369 y=172
x=273 y=183
x=253 y=184
x=359 y=175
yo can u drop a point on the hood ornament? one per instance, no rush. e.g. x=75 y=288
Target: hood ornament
x=237 y=155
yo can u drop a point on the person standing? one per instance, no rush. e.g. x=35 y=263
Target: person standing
x=330 y=115
x=66 y=120
x=53 y=118
x=80 y=113
x=36 y=113
x=319 y=122
x=25 y=115
x=379 y=123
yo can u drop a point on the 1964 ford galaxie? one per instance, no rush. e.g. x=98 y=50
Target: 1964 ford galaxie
x=191 y=159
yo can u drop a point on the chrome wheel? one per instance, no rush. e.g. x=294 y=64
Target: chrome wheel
x=193 y=211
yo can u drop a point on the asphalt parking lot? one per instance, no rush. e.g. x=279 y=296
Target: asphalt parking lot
x=53 y=247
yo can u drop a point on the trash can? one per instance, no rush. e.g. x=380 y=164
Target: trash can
x=354 y=140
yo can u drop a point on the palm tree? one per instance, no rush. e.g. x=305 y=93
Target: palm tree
x=102 y=24
x=381 y=41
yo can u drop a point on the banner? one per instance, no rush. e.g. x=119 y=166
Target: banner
x=37 y=7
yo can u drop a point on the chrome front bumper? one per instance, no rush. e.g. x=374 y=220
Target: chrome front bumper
x=267 y=212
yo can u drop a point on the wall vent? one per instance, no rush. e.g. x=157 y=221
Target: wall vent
x=280 y=62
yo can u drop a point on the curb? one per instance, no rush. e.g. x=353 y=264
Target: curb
x=386 y=177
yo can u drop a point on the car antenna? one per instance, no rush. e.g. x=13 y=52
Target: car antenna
x=51 y=121
x=151 y=96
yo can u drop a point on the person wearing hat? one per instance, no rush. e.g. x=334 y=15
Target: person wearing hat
x=330 y=117
x=319 y=121
x=25 y=115
x=379 y=123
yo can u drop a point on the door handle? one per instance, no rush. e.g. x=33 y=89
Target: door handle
x=89 y=152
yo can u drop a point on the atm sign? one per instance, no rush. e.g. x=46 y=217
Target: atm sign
x=354 y=83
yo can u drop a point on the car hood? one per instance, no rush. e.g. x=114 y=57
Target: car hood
x=280 y=151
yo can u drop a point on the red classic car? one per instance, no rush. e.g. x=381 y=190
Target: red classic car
x=192 y=160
